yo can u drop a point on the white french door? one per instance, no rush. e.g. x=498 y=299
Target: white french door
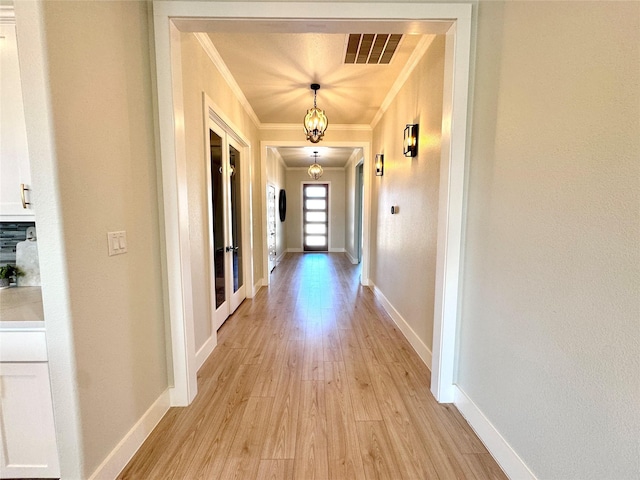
x=225 y=223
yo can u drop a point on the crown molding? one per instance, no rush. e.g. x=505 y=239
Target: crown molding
x=216 y=59
x=296 y=126
x=7 y=15
x=326 y=169
x=409 y=67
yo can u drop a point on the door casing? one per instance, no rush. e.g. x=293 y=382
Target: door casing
x=193 y=15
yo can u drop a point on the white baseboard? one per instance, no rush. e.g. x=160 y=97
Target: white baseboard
x=418 y=345
x=205 y=350
x=257 y=286
x=507 y=458
x=295 y=250
x=336 y=250
x=280 y=257
x=129 y=445
x=352 y=259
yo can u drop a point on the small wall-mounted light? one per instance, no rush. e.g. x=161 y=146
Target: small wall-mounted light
x=410 y=140
x=379 y=165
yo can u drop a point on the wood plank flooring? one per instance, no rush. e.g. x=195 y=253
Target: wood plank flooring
x=312 y=380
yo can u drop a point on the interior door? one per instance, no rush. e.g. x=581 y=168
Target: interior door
x=225 y=224
x=271 y=226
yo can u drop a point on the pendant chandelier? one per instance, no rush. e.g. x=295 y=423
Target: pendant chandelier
x=315 y=121
x=315 y=170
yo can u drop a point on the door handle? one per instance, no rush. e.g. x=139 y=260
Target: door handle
x=24 y=188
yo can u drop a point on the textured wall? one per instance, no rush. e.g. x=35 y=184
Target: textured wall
x=105 y=166
x=404 y=245
x=549 y=340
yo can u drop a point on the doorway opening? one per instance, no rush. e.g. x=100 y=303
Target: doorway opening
x=452 y=20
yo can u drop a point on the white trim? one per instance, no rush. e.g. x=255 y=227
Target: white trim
x=206 y=350
x=7 y=15
x=409 y=67
x=418 y=345
x=171 y=135
x=123 y=452
x=353 y=260
x=326 y=169
x=451 y=206
x=365 y=148
x=498 y=447
x=257 y=286
x=297 y=126
x=295 y=250
x=281 y=257
x=176 y=214
x=337 y=250
x=216 y=59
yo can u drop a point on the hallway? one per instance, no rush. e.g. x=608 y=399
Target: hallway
x=312 y=380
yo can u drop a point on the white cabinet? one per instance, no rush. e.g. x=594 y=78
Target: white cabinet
x=28 y=436
x=14 y=154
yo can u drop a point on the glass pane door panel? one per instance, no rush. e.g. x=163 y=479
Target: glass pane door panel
x=236 y=209
x=315 y=217
x=316 y=240
x=217 y=209
x=316 y=204
x=318 y=228
x=316 y=192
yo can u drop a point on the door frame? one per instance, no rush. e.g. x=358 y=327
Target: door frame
x=365 y=147
x=358 y=209
x=171 y=139
x=214 y=122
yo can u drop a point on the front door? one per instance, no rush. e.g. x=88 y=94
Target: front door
x=315 y=213
x=225 y=231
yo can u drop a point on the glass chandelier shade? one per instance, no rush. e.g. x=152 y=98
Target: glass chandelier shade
x=315 y=121
x=315 y=170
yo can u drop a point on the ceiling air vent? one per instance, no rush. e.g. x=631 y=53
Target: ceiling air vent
x=371 y=48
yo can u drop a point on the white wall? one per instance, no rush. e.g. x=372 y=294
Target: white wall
x=336 y=178
x=404 y=251
x=351 y=218
x=549 y=334
x=91 y=141
x=276 y=176
x=201 y=75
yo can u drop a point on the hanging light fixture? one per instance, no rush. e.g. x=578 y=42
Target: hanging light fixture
x=315 y=170
x=315 y=121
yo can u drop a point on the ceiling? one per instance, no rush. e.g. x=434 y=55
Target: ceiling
x=274 y=63
x=275 y=71
x=328 y=157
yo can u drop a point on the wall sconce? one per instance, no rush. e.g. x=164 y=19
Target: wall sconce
x=410 y=140
x=379 y=165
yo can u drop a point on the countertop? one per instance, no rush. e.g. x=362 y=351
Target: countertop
x=21 y=304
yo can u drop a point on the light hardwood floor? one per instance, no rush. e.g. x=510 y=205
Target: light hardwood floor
x=312 y=380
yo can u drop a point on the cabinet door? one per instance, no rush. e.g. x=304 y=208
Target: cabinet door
x=26 y=415
x=14 y=154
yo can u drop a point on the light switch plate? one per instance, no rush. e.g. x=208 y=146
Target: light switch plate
x=117 y=242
